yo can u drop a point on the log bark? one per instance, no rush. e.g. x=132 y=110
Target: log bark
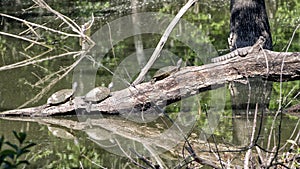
x=188 y=81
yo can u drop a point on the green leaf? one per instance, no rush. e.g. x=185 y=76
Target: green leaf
x=28 y=146
x=7 y=152
x=21 y=136
x=21 y=152
x=8 y=165
x=1 y=141
x=14 y=146
x=23 y=162
x=2 y=157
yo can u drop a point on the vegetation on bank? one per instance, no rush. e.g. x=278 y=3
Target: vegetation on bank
x=13 y=156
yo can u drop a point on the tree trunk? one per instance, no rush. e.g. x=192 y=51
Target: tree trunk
x=248 y=22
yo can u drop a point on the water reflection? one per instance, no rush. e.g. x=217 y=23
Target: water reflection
x=110 y=135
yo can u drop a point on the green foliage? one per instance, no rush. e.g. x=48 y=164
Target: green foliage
x=284 y=23
x=289 y=92
x=297 y=163
x=72 y=155
x=87 y=8
x=294 y=153
x=212 y=23
x=11 y=158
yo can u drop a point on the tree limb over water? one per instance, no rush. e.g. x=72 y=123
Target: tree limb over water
x=273 y=66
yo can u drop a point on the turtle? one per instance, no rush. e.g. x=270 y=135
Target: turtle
x=97 y=94
x=60 y=97
x=166 y=71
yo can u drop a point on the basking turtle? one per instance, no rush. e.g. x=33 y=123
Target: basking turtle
x=60 y=96
x=97 y=94
x=166 y=71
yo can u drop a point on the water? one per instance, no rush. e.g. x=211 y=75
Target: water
x=73 y=146
x=20 y=85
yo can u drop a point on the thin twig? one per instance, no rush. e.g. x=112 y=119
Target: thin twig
x=248 y=153
x=162 y=42
x=73 y=25
x=296 y=129
x=98 y=165
x=146 y=161
x=53 y=82
x=25 y=39
x=286 y=97
x=279 y=112
x=31 y=61
x=111 y=43
x=279 y=139
x=65 y=19
x=39 y=26
x=128 y=156
x=291 y=40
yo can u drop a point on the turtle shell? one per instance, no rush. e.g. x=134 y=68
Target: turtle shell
x=97 y=94
x=164 y=72
x=60 y=96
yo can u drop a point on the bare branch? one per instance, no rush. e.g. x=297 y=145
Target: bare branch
x=65 y=19
x=25 y=39
x=162 y=42
x=32 y=61
x=291 y=40
x=248 y=153
x=39 y=26
x=52 y=83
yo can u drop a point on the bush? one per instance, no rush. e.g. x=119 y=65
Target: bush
x=11 y=157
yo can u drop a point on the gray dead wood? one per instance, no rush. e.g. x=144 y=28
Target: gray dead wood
x=184 y=83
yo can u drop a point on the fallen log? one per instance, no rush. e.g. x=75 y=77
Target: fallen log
x=273 y=66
